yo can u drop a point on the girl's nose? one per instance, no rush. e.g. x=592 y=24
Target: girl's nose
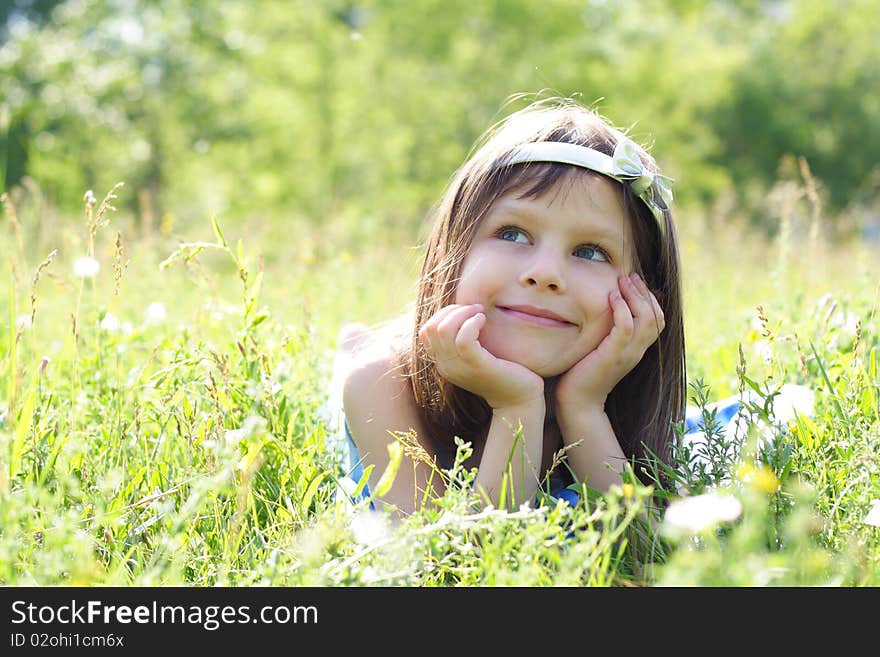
x=543 y=271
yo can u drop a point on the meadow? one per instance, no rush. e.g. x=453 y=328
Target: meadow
x=160 y=421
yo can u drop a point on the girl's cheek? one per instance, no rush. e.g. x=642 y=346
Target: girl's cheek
x=472 y=285
x=599 y=323
x=464 y=295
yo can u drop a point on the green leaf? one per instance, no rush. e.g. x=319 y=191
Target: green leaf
x=219 y=233
x=258 y=319
x=395 y=452
x=239 y=251
x=25 y=419
x=828 y=381
x=13 y=361
x=186 y=251
x=306 y=501
x=365 y=477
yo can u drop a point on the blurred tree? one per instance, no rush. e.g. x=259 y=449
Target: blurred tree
x=809 y=87
x=105 y=92
x=361 y=110
x=36 y=11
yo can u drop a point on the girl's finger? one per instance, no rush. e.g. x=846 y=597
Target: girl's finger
x=439 y=337
x=652 y=324
x=440 y=315
x=655 y=313
x=624 y=322
x=430 y=328
x=656 y=310
x=451 y=323
x=467 y=341
x=658 y=314
x=639 y=304
x=640 y=285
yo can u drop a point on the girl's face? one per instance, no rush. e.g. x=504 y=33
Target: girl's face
x=543 y=269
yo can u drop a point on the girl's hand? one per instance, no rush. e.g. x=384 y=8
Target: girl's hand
x=451 y=339
x=638 y=322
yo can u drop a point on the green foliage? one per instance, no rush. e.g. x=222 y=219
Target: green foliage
x=160 y=415
x=188 y=448
x=306 y=110
x=807 y=88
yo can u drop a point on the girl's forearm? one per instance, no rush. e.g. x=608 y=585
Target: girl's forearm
x=598 y=447
x=511 y=458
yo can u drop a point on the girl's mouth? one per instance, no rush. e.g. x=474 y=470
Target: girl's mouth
x=535 y=316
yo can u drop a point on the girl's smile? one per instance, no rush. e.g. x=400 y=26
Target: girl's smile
x=536 y=316
x=543 y=269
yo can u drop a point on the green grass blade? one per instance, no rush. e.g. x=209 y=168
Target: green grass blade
x=827 y=381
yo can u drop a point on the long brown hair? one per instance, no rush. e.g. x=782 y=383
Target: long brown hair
x=645 y=404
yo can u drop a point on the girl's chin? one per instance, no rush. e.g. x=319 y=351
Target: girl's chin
x=545 y=358
x=543 y=368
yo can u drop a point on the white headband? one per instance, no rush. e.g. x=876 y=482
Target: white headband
x=625 y=166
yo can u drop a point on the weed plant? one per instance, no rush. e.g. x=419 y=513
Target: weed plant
x=183 y=443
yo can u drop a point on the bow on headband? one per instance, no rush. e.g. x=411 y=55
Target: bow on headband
x=624 y=166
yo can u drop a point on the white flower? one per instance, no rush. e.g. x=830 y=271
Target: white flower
x=694 y=514
x=765 y=351
x=234 y=436
x=251 y=424
x=86 y=267
x=756 y=324
x=369 y=528
x=793 y=400
x=155 y=313
x=873 y=517
x=23 y=322
x=110 y=323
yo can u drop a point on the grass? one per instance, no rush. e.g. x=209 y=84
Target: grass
x=160 y=419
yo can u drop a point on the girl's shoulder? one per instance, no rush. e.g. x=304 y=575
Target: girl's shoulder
x=377 y=396
x=372 y=376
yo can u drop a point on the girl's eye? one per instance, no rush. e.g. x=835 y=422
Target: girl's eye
x=513 y=235
x=591 y=253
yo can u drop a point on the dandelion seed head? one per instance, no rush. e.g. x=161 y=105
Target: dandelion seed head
x=110 y=323
x=695 y=514
x=234 y=436
x=369 y=528
x=155 y=313
x=86 y=267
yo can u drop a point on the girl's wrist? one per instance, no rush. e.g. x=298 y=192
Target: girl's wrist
x=522 y=412
x=528 y=405
x=535 y=401
x=580 y=414
x=567 y=399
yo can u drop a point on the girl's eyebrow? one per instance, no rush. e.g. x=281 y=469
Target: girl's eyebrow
x=525 y=212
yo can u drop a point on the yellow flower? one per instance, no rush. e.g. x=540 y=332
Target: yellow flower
x=628 y=490
x=762 y=478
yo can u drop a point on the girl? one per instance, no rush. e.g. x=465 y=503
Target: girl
x=548 y=318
